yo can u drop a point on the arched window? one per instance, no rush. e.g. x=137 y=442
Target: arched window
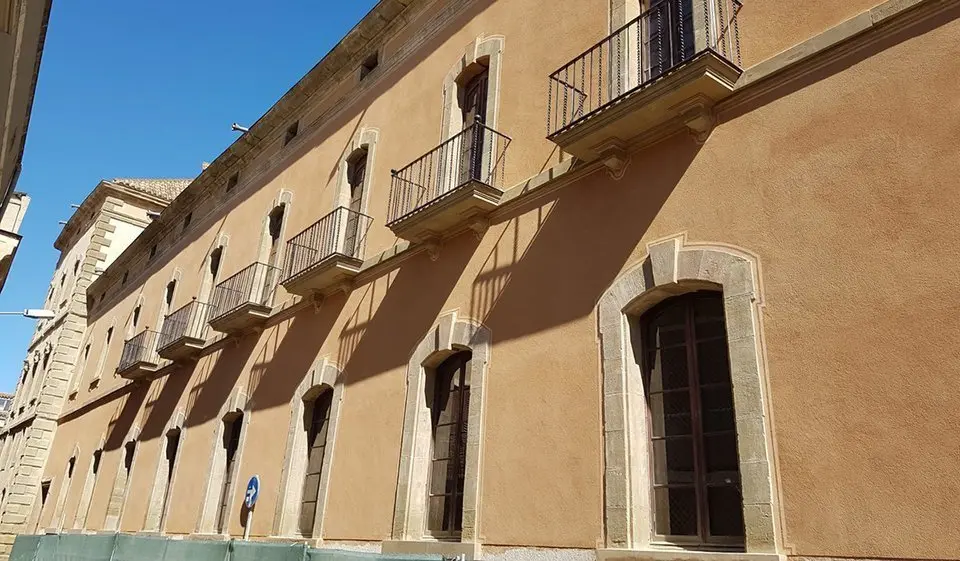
x=686 y=377
x=449 y=402
x=232 y=425
x=317 y=420
x=121 y=486
x=274 y=230
x=170 y=457
x=168 y=296
x=83 y=510
x=356 y=181
x=209 y=280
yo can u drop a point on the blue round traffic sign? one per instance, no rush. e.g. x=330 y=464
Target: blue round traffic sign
x=253 y=491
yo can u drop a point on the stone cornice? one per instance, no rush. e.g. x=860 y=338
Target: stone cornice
x=318 y=84
x=844 y=41
x=262 y=133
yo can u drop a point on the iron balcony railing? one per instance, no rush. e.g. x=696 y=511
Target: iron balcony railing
x=188 y=321
x=646 y=48
x=142 y=347
x=342 y=232
x=478 y=153
x=252 y=285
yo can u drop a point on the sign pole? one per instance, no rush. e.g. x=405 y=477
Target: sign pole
x=249 y=500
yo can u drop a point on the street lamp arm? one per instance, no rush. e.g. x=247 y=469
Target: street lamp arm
x=32 y=314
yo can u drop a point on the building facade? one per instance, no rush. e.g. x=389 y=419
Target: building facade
x=6 y=405
x=10 y=221
x=582 y=280
x=105 y=223
x=23 y=29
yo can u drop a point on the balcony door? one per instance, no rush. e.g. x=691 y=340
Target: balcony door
x=356 y=176
x=474 y=111
x=667 y=35
x=274 y=230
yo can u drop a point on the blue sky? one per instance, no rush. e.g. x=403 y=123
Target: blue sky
x=147 y=89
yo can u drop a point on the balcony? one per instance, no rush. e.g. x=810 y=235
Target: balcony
x=326 y=255
x=244 y=301
x=184 y=332
x=451 y=188
x=139 y=358
x=661 y=72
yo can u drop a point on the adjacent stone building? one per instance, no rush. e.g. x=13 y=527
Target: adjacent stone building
x=23 y=29
x=10 y=221
x=107 y=221
x=524 y=279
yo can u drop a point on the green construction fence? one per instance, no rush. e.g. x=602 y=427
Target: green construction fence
x=122 y=547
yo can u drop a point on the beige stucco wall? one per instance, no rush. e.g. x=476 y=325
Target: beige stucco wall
x=841 y=188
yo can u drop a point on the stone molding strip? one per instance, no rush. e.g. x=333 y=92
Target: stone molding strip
x=841 y=41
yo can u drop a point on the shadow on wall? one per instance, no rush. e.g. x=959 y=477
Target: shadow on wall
x=582 y=242
x=273 y=381
x=410 y=306
x=162 y=400
x=119 y=426
x=216 y=379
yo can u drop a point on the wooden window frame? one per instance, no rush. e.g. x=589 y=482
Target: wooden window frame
x=698 y=443
x=454 y=365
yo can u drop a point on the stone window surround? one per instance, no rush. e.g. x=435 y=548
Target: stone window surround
x=451 y=334
x=671 y=268
x=284 y=198
x=207 y=283
x=207 y=519
x=83 y=355
x=101 y=362
x=59 y=512
x=131 y=328
x=323 y=376
x=175 y=277
x=89 y=486
x=367 y=139
x=116 y=504
x=156 y=508
x=484 y=49
x=39 y=505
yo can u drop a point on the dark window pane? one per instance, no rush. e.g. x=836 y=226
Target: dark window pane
x=670 y=315
x=670 y=414
x=668 y=369
x=676 y=511
x=667 y=336
x=721 y=452
x=716 y=403
x=713 y=362
x=708 y=307
x=726 y=511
